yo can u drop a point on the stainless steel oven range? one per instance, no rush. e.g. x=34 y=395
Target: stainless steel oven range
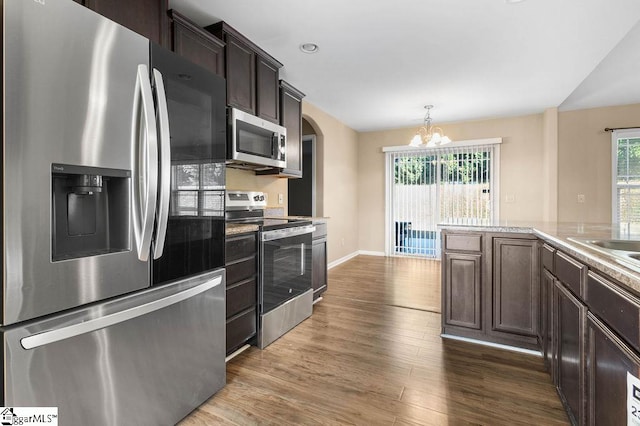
x=285 y=296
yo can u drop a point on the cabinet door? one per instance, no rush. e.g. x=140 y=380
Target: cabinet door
x=608 y=362
x=547 y=284
x=197 y=45
x=462 y=290
x=516 y=286
x=267 y=90
x=569 y=332
x=319 y=267
x=241 y=84
x=146 y=17
x=291 y=114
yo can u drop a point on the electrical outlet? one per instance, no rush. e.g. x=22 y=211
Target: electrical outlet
x=280 y=198
x=581 y=198
x=342 y=241
x=510 y=198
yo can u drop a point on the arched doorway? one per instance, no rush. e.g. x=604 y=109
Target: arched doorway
x=306 y=194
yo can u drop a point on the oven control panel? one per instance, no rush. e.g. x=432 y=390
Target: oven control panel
x=246 y=200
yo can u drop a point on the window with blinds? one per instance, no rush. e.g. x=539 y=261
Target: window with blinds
x=626 y=180
x=427 y=187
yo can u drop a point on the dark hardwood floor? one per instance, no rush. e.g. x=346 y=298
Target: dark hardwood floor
x=371 y=354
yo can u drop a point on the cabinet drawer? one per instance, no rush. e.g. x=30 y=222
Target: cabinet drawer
x=240 y=328
x=463 y=242
x=570 y=272
x=241 y=296
x=321 y=230
x=239 y=247
x=547 y=257
x=617 y=308
x=241 y=270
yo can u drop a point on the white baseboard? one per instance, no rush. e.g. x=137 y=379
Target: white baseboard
x=352 y=255
x=371 y=253
x=342 y=260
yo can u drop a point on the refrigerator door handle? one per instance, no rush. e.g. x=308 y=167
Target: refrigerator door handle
x=84 y=327
x=165 y=166
x=145 y=163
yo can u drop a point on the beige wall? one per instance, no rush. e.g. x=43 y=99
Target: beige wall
x=550 y=165
x=584 y=161
x=336 y=180
x=246 y=180
x=521 y=168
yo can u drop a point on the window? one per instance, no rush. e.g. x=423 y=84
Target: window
x=453 y=184
x=626 y=179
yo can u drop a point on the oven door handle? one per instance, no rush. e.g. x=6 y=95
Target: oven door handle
x=278 y=234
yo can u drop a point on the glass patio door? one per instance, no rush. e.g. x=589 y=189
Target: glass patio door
x=430 y=186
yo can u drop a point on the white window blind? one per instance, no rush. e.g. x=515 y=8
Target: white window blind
x=626 y=179
x=426 y=187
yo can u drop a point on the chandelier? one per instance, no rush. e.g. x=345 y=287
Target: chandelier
x=429 y=136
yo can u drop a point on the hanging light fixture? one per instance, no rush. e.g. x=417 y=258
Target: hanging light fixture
x=429 y=136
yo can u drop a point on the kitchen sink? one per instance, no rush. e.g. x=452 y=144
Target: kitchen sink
x=620 y=245
x=626 y=252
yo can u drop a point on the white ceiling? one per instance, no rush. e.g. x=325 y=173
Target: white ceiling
x=380 y=62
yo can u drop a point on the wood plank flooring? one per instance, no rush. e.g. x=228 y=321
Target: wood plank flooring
x=371 y=354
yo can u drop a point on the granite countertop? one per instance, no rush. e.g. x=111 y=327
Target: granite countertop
x=568 y=237
x=313 y=219
x=240 y=228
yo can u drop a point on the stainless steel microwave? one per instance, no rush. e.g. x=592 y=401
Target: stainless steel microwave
x=254 y=141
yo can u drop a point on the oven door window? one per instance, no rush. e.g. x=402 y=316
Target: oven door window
x=286 y=270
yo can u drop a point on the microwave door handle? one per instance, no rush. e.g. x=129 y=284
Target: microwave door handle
x=165 y=166
x=145 y=163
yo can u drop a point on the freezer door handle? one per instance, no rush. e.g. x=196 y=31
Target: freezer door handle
x=144 y=163
x=89 y=326
x=162 y=216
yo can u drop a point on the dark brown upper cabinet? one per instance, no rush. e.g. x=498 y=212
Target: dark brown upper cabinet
x=240 y=74
x=291 y=119
x=267 y=96
x=146 y=17
x=252 y=74
x=195 y=44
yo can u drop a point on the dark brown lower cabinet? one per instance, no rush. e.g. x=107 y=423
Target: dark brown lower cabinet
x=319 y=263
x=547 y=284
x=569 y=319
x=516 y=287
x=462 y=297
x=609 y=360
x=241 y=263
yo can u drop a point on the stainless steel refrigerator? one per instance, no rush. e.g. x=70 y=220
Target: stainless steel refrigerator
x=113 y=291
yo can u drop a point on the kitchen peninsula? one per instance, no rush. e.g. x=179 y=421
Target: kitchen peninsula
x=569 y=290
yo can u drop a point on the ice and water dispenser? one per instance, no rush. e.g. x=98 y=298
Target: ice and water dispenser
x=90 y=211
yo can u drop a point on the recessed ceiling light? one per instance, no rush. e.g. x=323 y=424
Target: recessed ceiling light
x=513 y=1
x=309 y=47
